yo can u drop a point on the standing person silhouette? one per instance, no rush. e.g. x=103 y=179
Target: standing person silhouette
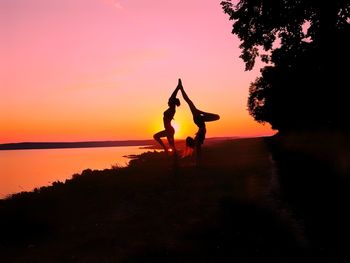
x=199 y=118
x=169 y=130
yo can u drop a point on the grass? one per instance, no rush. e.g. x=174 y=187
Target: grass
x=227 y=210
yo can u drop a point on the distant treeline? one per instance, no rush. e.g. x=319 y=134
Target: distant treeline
x=89 y=144
x=55 y=145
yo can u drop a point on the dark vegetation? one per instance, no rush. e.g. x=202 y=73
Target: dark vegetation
x=240 y=206
x=56 y=145
x=306 y=47
x=313 y=171
x=301 y=92
x=151 y=211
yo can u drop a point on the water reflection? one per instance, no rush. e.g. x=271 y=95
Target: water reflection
x=23 y=170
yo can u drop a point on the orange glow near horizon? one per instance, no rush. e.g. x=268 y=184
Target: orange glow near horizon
x=177 y=129
x=107 y=70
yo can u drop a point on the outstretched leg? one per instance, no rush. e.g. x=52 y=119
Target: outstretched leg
x=158 y=137
x=210 y=116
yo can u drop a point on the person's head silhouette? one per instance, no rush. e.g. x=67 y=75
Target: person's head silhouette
x=172 y=102
x=190 y=142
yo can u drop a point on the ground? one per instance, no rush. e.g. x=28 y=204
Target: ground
x=237 y=206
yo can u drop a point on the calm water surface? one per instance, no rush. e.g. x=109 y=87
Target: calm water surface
x=24 y=170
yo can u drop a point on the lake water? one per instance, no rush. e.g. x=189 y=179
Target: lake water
x=24 y=170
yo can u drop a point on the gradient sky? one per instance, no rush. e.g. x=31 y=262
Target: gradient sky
x=74 y=70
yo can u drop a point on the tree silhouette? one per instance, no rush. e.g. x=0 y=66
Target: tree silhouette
x=305 y=45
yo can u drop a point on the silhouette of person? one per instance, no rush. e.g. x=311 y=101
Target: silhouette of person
x=199 y=118
x=169 y=130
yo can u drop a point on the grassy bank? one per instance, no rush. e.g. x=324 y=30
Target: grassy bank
x=314 y=177
x=228 y=209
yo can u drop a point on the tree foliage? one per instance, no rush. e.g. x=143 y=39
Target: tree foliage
x=305 y=45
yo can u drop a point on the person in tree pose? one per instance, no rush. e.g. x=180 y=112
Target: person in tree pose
x=169 y=130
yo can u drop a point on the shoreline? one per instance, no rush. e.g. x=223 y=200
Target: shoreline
x=237 y=207
x=67 y=145
x=25 y=170
x=149 y=211
x=92 y=144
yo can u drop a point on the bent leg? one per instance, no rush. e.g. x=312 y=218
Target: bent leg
x=159 y=135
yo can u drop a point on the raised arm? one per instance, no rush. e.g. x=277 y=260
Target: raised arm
x=173 y=95
x=187 y=99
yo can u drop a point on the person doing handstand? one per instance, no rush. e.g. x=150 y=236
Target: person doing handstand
x=199 y=118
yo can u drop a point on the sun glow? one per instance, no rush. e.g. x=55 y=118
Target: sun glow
x=176 y=126
x=115 y=78
x=180 y=125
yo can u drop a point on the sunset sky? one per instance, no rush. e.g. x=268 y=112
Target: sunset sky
x=77 y=70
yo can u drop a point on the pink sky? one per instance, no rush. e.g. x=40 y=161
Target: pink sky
x=104 y=70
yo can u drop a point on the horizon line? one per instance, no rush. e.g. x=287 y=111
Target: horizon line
x=91 y=144
x=125 y=140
